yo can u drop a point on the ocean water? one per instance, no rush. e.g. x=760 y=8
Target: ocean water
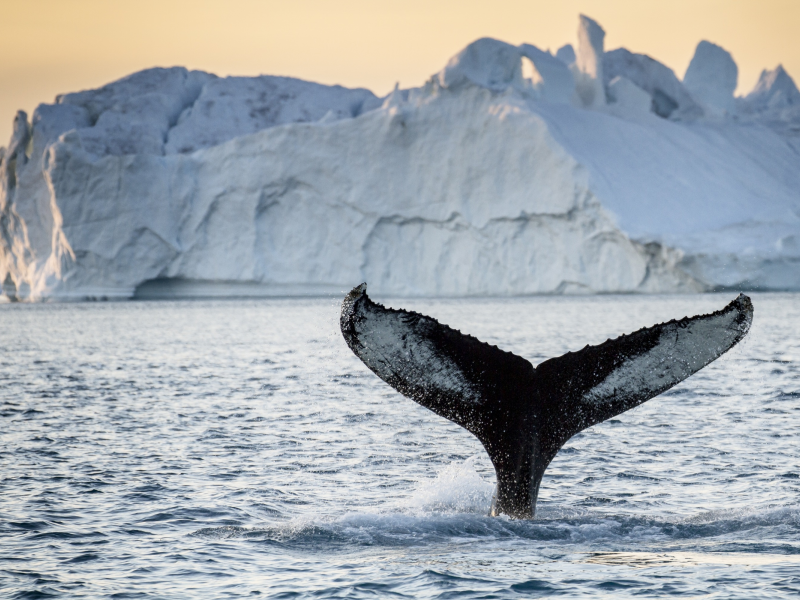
x=226 y=449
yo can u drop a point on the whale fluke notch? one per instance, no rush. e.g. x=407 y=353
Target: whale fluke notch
x=523 y=415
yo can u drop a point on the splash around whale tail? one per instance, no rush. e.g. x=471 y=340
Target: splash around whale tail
x=523 y=415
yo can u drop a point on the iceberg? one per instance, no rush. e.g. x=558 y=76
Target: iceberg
x=669 y=97
x=549 y=76
x=566 y=54
x=774 y=101
x=589 y=63
x=494 y=177
x=628 y=97
x=775 y=89
x=711 y=77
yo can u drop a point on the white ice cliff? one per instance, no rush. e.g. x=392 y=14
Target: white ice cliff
x=512 y=171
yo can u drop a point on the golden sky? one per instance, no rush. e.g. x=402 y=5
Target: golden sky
x=54 y=46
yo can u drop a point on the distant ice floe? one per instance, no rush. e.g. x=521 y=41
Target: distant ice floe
x=511 y=171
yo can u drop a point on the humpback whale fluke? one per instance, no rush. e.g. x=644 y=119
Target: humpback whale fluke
x=523 y=415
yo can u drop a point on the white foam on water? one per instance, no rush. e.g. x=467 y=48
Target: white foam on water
x=458 y=488
x=751 y=516
x=645 y=560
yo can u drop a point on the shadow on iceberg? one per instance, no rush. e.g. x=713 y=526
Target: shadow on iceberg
x=175 y=288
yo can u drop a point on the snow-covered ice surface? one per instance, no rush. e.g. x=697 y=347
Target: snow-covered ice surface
x=219 y=449
x=511 y=171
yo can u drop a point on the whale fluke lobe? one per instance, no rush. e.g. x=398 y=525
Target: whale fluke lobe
x=523 y=415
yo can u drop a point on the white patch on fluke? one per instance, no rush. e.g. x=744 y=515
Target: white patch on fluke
x=392 y=347
x=680 y=352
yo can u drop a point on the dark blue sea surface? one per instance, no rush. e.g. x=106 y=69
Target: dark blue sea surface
x=223 y=449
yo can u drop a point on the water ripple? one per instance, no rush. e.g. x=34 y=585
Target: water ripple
x=237 y=448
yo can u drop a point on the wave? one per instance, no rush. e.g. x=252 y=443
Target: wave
x=454 y=507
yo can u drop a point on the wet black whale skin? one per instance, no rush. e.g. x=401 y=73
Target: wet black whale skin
x=523 y=415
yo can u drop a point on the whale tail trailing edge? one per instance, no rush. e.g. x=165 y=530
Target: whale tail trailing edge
x=523 y=415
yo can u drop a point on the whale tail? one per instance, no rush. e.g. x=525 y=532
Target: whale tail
x=523 y=415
